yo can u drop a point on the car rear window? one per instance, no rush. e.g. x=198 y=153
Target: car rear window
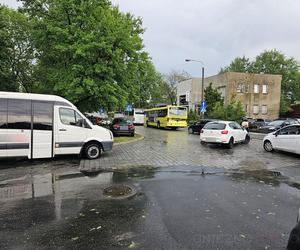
x=215 y=126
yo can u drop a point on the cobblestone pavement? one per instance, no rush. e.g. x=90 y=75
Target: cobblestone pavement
x=162 y=147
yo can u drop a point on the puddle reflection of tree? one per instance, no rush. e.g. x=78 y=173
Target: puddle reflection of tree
x=142 y=172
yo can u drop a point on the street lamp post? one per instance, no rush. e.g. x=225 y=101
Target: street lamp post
x=202 y=80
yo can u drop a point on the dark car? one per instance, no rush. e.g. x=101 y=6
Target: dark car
x=258 y=123
x=122 y=126
x=197 y=126
x=277 y=124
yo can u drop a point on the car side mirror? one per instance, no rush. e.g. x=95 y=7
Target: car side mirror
x=276 y=134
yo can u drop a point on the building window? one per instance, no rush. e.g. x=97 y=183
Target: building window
x=239 y=88
x=256 y=88
x=265 y=89
x=264 y=109
x=246 y=88
x=255 y=110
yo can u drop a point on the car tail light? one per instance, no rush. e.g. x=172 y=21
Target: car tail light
x=116 y=126
x=224 y=132
x=131 y=126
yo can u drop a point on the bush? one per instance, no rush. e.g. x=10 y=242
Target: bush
x=192 y=117
x=232 y=112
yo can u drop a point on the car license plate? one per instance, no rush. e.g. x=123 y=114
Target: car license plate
x=123 y=128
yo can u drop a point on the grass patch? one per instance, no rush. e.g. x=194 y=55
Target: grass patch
x=125 y=138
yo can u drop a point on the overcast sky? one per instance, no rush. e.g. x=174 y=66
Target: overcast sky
x=214 y=31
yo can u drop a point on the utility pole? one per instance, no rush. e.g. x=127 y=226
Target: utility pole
x=202 y=82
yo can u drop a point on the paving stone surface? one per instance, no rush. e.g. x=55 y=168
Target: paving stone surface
x=162 y=147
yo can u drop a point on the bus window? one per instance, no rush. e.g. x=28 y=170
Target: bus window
x=176 y=111
x=3 y=113
x=19 y=114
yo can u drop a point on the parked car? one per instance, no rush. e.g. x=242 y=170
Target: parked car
x=285 y=139
x=224 y=133
x=258 y=123
x=121 y=126
x=277 y=124
x=197 y=126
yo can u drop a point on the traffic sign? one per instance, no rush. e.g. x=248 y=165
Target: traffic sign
x=128 y=108
x=101 y=110
x=203 y=106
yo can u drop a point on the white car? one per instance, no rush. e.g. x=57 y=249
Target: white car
x=223 y=132
x=285 y=139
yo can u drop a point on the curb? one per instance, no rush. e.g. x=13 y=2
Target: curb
x=126 y=142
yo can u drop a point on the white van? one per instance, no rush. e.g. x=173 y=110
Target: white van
x=43 y=126
x=138 y=116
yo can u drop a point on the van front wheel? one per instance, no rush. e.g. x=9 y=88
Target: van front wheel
x=92 y=151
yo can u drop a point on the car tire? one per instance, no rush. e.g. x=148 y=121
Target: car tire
x=247 y=139
x=191 y=131
x=203 y=143
x=158 y=125
x=230 y=143
x=92 y=151
x=268 y=146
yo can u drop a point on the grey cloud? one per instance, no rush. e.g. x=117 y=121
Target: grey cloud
x=214 y=31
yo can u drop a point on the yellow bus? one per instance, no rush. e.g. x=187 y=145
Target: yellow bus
x=166 y=117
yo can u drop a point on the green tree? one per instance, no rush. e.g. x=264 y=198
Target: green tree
x=234 y=111
x=193 y=116
x=16 y=51
x=239 y=64
x=90 y=53
x=212 y=96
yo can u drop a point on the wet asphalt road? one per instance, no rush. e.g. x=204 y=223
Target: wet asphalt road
x=51 y=205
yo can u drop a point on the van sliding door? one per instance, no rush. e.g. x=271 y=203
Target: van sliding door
x=42 y=134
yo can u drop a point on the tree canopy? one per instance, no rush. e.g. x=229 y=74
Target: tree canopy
x=212 y=96
x=16 y=51
x=86 y=51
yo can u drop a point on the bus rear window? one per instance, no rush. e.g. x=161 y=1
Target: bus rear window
x=215 y=126
x=177 y=111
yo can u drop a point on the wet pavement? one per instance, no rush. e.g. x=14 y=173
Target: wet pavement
x=181 y=202
x=177 y=148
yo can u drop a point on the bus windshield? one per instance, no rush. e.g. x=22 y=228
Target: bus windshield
x=176 y=111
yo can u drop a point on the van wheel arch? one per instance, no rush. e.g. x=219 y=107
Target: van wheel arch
x=88 y=143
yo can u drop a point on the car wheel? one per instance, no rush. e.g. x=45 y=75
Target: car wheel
x=268 y=146
x=158 y=125
x=191 y=131
x=230 y=143
x=93 y=151
x=203 y=143
x=247 y=139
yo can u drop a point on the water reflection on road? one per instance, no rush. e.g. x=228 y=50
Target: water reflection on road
x=175 y=208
